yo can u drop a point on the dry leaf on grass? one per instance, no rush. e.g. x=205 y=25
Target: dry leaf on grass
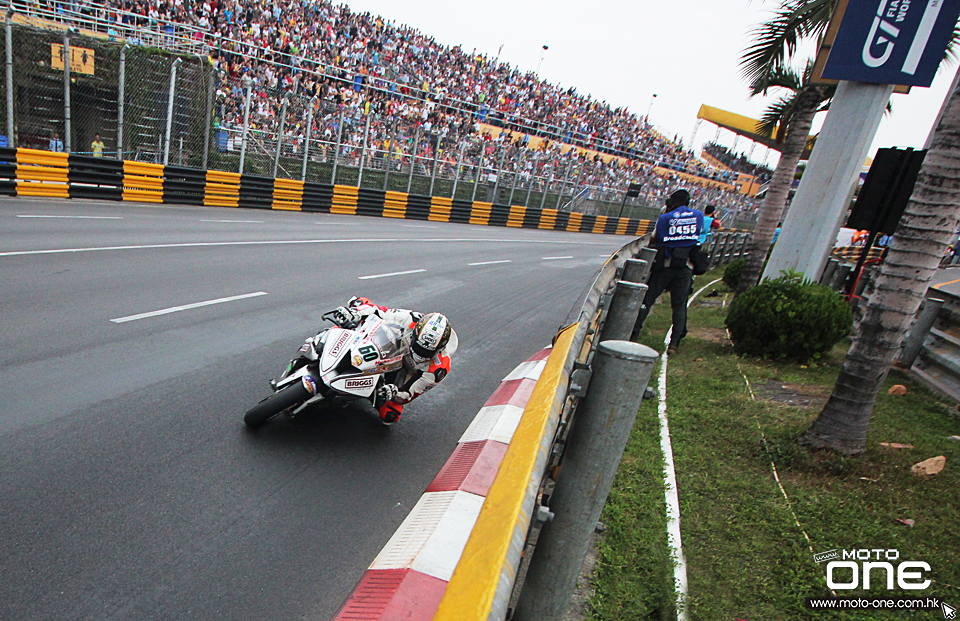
x=898 y=389
x=929 y=466
x=907 y=522
x=896 y=445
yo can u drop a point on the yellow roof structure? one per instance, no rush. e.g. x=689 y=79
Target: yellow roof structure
x=737 y=123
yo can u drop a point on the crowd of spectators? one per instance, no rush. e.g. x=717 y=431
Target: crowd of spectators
x=354 y=64
x=737 y=162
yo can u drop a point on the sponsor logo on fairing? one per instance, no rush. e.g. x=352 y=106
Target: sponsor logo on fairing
x=310 y=384
x=363 y=382
x=341 y=341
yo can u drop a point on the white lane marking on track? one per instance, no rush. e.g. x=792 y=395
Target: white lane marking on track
x=390 y=274
x=362 y=240
x=554 y=258
x=339 y=223
x=175 y=309
x=489 y=262
x=417 y=226
x=237 y=221
x=73 y=217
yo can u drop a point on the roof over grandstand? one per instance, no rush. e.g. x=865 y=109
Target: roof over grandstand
x=737 y=123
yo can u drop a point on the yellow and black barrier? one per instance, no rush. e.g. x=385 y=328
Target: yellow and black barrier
x=30 y=172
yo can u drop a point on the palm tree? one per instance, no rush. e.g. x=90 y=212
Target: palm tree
x=765 y=64
x=924 y=232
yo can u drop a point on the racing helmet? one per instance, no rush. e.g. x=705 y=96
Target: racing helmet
x=430 y=335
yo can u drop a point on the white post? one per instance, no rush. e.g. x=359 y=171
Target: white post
x=246 y=125
x=828 y=183
x=170 y=95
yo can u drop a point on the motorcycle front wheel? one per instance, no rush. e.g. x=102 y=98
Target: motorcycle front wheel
x=292 y=395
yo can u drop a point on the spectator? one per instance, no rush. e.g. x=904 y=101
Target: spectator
x=97 y=146
x=56 y=145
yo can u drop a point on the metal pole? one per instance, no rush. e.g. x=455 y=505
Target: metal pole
x=66 y=93
x=246 y=125
x=306 y=145
x=436 y=157
x=121 y=98
x=533 y=171
x=516 y=175
x=208 y=116
x=624 y=310
x=170 y=95
x=496 y=183
x=918 y=332
x=336 y=152
x=563 y=184
x=543 y=197
x=636 y=270
x=595 y=445
x=388 y=160
x=413 y=158
x=283 y=123
x=9 y=44
x=476 y=177
x=456 y=174
x=363 y=151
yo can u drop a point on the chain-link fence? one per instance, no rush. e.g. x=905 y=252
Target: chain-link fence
x=214 y=111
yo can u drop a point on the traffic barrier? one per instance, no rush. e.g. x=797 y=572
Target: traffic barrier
x=456 y=555
x=408 y=579
x=30 y=172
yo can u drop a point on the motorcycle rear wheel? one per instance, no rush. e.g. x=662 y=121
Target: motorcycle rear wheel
x=292 y=395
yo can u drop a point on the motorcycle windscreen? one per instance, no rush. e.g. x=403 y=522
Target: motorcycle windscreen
x=382 y=349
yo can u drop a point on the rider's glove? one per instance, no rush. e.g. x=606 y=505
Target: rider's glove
x=346 y=317
x=387 y=392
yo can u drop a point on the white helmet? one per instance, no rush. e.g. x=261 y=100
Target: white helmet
x=430 y=335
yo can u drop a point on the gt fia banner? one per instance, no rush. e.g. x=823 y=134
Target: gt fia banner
x=890 y=41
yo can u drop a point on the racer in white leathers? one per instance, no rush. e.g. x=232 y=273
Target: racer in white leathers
x=431 y=342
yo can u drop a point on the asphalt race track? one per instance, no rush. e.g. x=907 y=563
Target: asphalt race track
x=129 y=487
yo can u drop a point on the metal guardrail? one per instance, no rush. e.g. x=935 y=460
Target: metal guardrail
x=932 y=348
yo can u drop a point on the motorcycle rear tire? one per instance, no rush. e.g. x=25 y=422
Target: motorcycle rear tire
x=276 y=403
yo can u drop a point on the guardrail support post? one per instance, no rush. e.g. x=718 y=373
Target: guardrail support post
x=624 y=310
x=543 y=197
x=636 y=270
x=647 y=254
x=914 y=341
x=476 y=177
x=828 y=271
x=601 y=428
x=566 y=175
x=840 y=276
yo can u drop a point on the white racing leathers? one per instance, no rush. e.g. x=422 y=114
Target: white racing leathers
x=415 y=378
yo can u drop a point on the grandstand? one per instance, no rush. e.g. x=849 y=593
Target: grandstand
x=285 y=72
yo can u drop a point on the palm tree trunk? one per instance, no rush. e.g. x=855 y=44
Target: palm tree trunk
x=926 y=229
x=808 y=101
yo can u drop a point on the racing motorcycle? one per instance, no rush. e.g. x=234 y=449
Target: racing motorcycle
x=337 y=364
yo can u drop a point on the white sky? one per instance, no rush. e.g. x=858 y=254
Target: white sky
x=685 y=51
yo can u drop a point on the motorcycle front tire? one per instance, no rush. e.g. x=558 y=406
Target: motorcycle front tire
x=292 y=395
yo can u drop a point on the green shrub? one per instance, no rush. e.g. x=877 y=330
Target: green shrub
x=731 y=275
x=788 y=318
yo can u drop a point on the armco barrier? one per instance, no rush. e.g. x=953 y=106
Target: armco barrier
x=457 y=554
x=30 y=172
x=409 y=577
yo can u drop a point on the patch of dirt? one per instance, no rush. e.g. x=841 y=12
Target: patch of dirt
x=579 y=606
x=796 y=395
x=714 y=335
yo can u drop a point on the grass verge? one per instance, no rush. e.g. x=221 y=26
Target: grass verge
x=747 y=558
